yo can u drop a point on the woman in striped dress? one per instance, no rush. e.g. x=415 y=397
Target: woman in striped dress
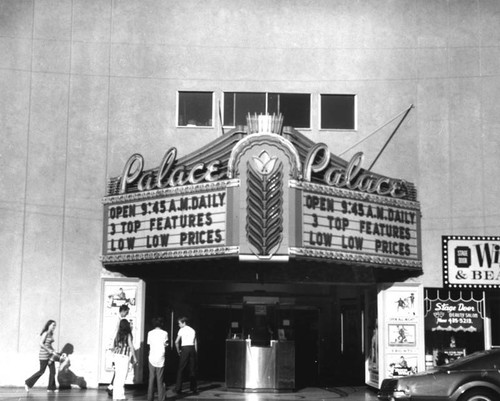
x=124 y=353
x=46 y=350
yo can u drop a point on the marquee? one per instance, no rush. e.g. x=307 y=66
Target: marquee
x=262 y=195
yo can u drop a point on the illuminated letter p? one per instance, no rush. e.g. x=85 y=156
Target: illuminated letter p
x=129 y=176
x=309 y=167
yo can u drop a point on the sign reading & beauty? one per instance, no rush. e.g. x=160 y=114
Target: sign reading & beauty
x=471 y=261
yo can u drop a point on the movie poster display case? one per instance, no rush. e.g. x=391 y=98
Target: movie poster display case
x=116 y=292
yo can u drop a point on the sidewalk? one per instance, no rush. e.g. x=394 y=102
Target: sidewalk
x=208 y=391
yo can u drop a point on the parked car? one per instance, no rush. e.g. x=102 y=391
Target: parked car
x=475 y=377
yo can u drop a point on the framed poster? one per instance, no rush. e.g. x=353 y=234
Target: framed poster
x=401 y=365
x=114 y=294
x=401 y=334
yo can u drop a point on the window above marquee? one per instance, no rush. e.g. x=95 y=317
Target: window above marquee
x=295 y=107
x=337 y=112
x=195 y=109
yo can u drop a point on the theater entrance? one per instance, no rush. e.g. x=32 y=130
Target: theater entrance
x=324 y=321
x=351 y=357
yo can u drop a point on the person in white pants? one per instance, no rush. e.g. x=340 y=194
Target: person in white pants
x=124 y=353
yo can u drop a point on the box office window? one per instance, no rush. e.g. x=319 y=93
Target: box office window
x=338 y=112
x=295 y=107
x=195 y=109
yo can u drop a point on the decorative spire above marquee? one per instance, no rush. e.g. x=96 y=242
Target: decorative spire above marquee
x=265 y=124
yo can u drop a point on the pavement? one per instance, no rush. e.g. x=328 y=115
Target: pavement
x=207 y=391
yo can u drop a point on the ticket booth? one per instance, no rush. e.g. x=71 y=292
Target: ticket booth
x=262 y=356
x=260 y=368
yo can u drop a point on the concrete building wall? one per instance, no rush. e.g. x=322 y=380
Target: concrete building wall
x=84 y=84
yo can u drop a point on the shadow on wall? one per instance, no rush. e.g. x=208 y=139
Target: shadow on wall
x=65 y=376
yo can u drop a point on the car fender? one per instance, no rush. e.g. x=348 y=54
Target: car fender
x=473 y=384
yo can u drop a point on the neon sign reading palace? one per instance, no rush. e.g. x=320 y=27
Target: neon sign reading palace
x=351 y=177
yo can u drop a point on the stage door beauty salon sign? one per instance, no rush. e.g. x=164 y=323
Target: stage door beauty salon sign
x=454 y=315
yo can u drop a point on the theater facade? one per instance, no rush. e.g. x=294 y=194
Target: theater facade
x=130 y=174
x=266 y=239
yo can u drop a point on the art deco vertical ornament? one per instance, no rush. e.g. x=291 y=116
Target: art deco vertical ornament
x=265 y=205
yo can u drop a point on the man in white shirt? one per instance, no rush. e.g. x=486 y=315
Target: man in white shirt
x=187 y=347
x=157 y=341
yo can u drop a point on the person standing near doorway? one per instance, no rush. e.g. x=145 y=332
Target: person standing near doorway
x=124 y=353
x=187 y=348
x=157 y=341
x=122 y=314
x=46 y=351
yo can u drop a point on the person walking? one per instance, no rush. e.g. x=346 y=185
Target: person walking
x=124 y=353
x=122 y=314
x=44 y=355
x=187 y=348
x=157 y=341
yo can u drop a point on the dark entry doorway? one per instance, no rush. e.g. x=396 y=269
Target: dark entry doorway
x=350 y=366
x=212 y=333
x=306 y=347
